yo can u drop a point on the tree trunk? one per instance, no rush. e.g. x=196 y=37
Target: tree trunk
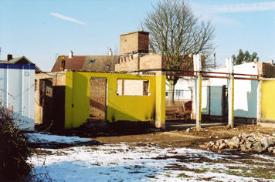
x=171 y=93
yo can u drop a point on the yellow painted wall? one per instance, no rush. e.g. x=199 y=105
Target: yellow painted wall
x=160 y=101
x=126 y=108
x=268 y=100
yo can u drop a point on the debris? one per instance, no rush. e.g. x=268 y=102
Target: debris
x=244 y=142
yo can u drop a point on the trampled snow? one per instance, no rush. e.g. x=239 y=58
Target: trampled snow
x=47 y=138
x=123 y=162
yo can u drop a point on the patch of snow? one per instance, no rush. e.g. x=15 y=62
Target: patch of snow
x=121 y=162
x=47 y=138
x=266 y=157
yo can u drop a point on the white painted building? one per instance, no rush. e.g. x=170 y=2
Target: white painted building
x=183 y=89
x=214 y=96
x=245 y=93
x=17 y=92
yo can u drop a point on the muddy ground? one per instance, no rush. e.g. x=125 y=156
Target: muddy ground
x=155 y=155
x=179 y=137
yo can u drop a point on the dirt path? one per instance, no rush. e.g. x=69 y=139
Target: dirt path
x=181 y=138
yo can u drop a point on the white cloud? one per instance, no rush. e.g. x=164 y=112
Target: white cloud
x=67 y=18
x=245 y=7
x=215 y=12
x=208 y=13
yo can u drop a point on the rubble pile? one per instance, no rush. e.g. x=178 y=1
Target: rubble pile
x=244 y=142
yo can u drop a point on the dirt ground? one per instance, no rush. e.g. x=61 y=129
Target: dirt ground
x=183 y=138
x=129 y=154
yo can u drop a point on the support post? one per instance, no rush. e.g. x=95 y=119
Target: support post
x=229 y=62
x=198 y=89
x=259 y=101
x=198 y=104
x=160 y=100
x=193 y=114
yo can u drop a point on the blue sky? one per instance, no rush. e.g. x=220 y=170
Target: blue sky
x=42 y=29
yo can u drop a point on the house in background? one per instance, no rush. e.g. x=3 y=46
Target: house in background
x=19 y=61
x=17 y=90
x=96 y=63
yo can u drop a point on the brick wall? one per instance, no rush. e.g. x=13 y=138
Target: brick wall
x=134 y=42
x=150 y=61
x=139 y=62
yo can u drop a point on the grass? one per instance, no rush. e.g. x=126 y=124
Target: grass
x=257 y=172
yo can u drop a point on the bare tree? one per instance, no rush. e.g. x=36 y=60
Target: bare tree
x=176 y=33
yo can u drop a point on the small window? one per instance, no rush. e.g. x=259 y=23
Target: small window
x=92 y=61
x=35 y=85
x=63 y=64
x=132 y=87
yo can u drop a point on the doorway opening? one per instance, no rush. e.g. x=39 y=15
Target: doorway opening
x=98 y=95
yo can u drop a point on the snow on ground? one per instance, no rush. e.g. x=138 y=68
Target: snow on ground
x=139 y=162
x=46 y=138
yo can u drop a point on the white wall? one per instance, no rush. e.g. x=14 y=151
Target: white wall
x=245 y=92
x=183 y=88
x=17 y=93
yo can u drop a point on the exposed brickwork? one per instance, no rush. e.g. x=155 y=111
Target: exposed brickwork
x=98 y=99
x=266 y=70
x=58 y=79
x=127 y=64
x=151 y=61
x=139 y=62
x=135 y=42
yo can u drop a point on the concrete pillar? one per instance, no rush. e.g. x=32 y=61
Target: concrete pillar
x=198 y=101
x=198 y=89
x=259 y=101
x=231 y=101
x=230 y=69
x=193 y=114
x=160 y=100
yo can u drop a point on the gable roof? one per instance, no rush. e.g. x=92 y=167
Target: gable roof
x=99 y=63
x=20 y=60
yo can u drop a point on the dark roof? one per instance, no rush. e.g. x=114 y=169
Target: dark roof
x=86 y=63
x=20 y=60
x=140 y=32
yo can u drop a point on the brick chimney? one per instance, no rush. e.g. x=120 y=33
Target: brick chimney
x=71 y=54
x=9 y=57
x=134 y=42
